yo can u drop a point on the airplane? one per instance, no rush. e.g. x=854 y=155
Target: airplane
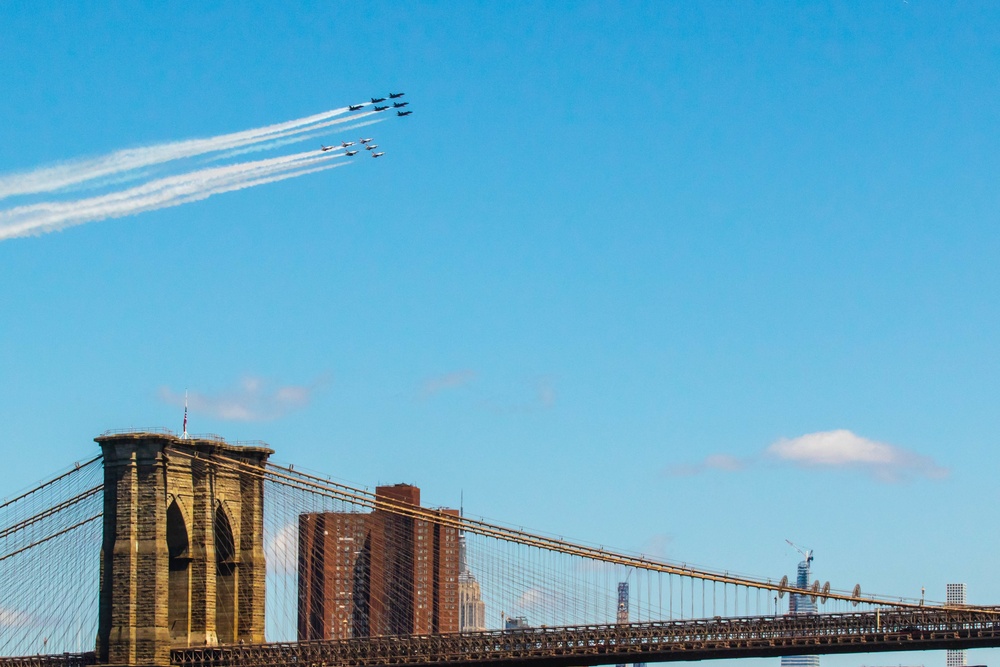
x=355 y=107
x=326 y=148
x=365 y=141
x=350 y=153
x=345 y=144
x=403 y=113
x=377 y=154
x=376 y=100
x=393 y=96
x=371 y=147
x=381 y=108
x=397 y=105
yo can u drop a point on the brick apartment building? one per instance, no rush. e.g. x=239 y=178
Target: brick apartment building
x=377 y=573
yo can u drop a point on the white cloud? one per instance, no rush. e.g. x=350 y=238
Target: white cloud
x=282 y=549
x=826 y=449
x=13 y=618
x=253 y=399
x=439 y=383
x=533 y=395
x=536 y=600
x=546 y=392
x=723 y=462
x=844 y=449
x=656 y=545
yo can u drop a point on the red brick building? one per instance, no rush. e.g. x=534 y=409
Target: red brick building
x=377 y=573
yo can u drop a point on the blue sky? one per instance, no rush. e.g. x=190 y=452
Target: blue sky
x=613 y=274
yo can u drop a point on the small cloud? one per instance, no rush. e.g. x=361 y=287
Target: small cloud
x=535 y=395
x=826 y=449
x=844 y=449
x=546 y=392
x=536 y=600
x=656 y=546
x=722 y=462
x=437 y=384
x=282 y=549
x=253 y=399
x=14 y=618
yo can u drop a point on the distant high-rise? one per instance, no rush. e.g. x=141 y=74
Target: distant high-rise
x=801 y=604
x=955 y=594
x=471 y=608
x=380 y=573
x=621 y=616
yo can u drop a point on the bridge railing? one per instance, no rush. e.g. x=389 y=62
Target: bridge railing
x=59 y=660
x=759 y=636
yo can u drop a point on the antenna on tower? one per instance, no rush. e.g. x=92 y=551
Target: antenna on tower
x=184 y=433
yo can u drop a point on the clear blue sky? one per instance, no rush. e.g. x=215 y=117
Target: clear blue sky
x=616 y=254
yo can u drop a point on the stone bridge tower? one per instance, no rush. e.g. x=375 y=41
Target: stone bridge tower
x=182 y=563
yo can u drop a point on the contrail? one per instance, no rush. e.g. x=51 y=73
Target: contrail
x=310 y=134
x=35 y=219
x=49 y=179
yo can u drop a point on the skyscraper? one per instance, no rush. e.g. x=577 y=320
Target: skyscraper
x=954 y=594
x=380 y=573
x=471 y=608
x=801 y=604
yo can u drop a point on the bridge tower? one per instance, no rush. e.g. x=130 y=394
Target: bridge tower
x=182 y=561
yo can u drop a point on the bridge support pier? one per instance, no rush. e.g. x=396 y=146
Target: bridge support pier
x=182 y=562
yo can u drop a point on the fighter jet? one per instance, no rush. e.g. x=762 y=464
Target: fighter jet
x=376 y=100
x=355 y=107
x=350 y=153
x=371 y=147
x=345 y=144
x=403 y=113
x=399 y=105
x=393 y=96
x=381 y=108
x=377 y=154
x=326 y=148
x=364 y=141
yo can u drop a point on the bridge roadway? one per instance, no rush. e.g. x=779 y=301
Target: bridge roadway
x=666 y=641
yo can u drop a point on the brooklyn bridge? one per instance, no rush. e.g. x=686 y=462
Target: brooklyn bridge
x=193 y=551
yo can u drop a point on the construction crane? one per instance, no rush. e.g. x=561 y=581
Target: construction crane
x=807 y=554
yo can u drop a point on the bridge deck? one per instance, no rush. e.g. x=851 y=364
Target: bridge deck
x=704 y=639
x=761 y=636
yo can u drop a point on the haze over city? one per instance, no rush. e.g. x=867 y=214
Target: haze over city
x=683 y=279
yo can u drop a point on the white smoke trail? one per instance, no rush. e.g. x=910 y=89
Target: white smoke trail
x=45 y=217
x=49 y=179
x=269 y=145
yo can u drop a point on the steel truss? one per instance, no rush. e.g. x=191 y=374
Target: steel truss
x=58 y=660
x=756 y=636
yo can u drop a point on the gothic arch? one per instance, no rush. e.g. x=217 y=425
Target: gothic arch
x=226 y=576
x=179 y=575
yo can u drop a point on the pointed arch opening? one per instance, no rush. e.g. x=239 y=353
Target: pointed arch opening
x=178 y=577
x=226 y=606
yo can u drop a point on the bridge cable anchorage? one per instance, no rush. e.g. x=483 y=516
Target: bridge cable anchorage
x=353 y=500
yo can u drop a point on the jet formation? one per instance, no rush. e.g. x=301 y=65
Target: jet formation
x=367 y=143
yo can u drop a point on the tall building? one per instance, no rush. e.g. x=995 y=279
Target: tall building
x=377 y=573
x=954 y=594
x=471 y=608
x=799 y=603
x=621 y=616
